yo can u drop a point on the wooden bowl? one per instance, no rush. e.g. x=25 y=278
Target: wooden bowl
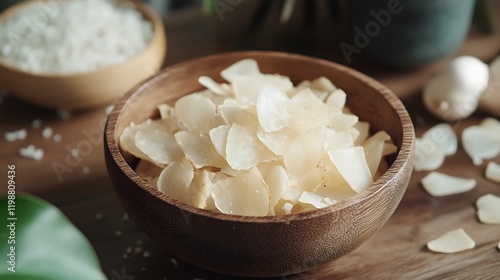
x=89 y=89
x=260 y=246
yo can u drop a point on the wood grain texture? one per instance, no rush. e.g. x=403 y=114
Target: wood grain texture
x=261 y=246
x=397 y=250
x=90 y=89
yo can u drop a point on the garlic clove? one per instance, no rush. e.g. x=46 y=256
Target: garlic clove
x=488 y=209
x=493 y=172
x=444 y=137
x=428 y=156
x=439 y=184
x=452 y=242
x=479 y=144
x=454 y=93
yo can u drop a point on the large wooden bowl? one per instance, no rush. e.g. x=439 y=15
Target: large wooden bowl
x=89 y=89
x=260 y=246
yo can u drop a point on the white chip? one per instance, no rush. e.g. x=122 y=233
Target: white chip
x=212 y=85
x=198 y=149
x=303 y=154
x=218 y=136
x=195 y=111
x=276 y=179
x=337 y=99
x=444 y=137
x=273 y=109
x=488 y=209
x=452 y=242
x=493 y=172
x=245 y=195
x=322 y=84
x=351 y=163
x=316 y=112
x=479 y=144
x=243 y=148
x=313 y=199
x=342 y=121
x=175 y=179
x=277 y=141
x=439 y=184
x=363 y=129
x=428 y=156
x=374 y=148
x=243 y=67
x=247 y=88
x=158 y=145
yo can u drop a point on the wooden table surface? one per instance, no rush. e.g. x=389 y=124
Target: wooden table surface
x=398 y=250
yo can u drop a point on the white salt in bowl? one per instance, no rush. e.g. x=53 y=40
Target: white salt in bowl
x=86 y=89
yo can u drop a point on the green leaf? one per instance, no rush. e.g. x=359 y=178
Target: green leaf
x=47 y=244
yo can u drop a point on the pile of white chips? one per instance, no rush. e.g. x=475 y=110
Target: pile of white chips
x=258 y=145
x=73 y=36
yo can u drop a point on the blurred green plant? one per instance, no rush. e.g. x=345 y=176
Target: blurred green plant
x=47 y=245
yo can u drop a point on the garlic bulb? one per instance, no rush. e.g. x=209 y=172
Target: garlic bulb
x=454 y=93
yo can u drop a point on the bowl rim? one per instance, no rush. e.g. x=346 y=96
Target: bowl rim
x=403 y=158
x=146 y=11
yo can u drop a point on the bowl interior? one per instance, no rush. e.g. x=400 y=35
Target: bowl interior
x=368 y=99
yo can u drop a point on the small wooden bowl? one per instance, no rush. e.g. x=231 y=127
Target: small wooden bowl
x=260 y=246
x=89 y=89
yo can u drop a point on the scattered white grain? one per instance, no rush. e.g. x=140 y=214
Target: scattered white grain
x=64 y=114
x=15 y=135
x=36 y=123
x=76 y=36
x=75 y=152
x=118 y=233
x=57 y=138
x=128 y=250
x=143 y=268
x=174 y=262
x=125 y=256
x=146 y=254
x=125 y=217
x=31 y=152
x=86 y=170
x=47 y=132
x=98 y=216
x=108 y=109
x=139 y=242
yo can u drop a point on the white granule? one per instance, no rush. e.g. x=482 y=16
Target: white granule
x=146 y=254
x=64 y=114
x=108 y=109
x=36 y=123
x=31 y=152
x=73 y=36
x=15 y=135
x=86 y=170
x=57 y=138
x=75 y=152
x=174 y=262
x=47 y=132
